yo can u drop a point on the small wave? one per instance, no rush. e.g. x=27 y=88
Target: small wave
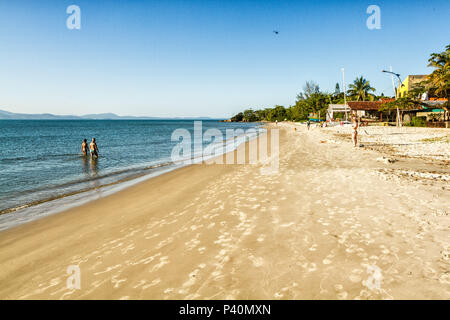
x=40 y=157
x=73 y=183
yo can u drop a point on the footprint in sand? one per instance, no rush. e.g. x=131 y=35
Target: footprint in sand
x=338 y=287
x=108 y=269
x=328 y=259
x=154 y=235
x=162 y=262
x=445 y=279
x=164 y=242
x=257 y=261
x=312 y=267
x=128 y=248
x=341 y=294
x=192 y=278
x=261 y=238
x=217 y=276
x=278 y=295
x=355 y=278
x=201 y=250
x=191 y=244
x=116 y=281
x=285 y=225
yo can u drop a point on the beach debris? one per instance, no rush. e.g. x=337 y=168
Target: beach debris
x=426 y=175
x=386 y=160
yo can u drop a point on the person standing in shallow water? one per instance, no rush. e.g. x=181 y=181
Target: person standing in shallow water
x=93 y=149
x=84 y=147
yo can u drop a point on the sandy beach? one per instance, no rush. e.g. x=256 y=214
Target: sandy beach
x=335 y=222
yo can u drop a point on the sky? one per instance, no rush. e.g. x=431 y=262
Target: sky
x=204 y=58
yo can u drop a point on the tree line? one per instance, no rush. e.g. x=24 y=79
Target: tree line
x=312 y=100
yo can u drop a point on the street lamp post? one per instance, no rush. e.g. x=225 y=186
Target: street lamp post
x=399 y=121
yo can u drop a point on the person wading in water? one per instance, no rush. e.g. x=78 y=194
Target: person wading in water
x=93 y=148
x=84 y=147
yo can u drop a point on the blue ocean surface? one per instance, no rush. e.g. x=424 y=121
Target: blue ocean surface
x=41 y=160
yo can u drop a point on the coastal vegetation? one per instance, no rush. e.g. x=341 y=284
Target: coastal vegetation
x=312 y=100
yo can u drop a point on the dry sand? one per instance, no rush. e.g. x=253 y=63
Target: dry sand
x=333 y=223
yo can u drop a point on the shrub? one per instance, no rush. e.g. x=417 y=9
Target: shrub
x=418 y=122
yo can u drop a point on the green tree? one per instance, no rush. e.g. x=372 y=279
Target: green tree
x=238 y=117
x=338 y=89
x=249 y=116
x=439 y=79
x=277 y=113
x=310 y=88
x=261 y=114
x=360 y=90
x=403 y=103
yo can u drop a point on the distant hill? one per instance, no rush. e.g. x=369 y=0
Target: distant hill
x=6 y=115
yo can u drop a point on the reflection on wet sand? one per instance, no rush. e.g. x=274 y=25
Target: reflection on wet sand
x=95 y=183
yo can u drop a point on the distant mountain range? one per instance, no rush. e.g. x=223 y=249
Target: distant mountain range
x=6 y=115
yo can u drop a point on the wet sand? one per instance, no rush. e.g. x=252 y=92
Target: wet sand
x=327 y=225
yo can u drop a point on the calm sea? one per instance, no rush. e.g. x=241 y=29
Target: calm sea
x=41 y=160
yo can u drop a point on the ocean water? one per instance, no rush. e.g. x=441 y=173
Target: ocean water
x=41 y=160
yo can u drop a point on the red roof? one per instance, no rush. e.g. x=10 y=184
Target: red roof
x=367 y=105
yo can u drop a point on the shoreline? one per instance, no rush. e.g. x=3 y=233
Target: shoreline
x=313 y=230
x=73 y=199
x=85 y=190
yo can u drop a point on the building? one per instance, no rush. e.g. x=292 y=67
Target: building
x=371 y=110
x=339 y=108
x=367 y=110
x=434 y=110
x=411 y=82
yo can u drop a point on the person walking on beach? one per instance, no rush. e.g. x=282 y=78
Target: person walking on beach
x=84 y=147
x=308 y=123
x=355 y=132
x=93 y=148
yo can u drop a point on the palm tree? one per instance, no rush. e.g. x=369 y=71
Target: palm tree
x=439 y=79
x=359 y=90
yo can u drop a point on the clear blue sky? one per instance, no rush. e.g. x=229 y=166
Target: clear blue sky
x=204 y=58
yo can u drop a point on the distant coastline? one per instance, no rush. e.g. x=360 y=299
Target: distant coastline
x=6 y=115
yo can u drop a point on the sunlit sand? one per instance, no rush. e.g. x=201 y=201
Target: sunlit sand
x=332 y=223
